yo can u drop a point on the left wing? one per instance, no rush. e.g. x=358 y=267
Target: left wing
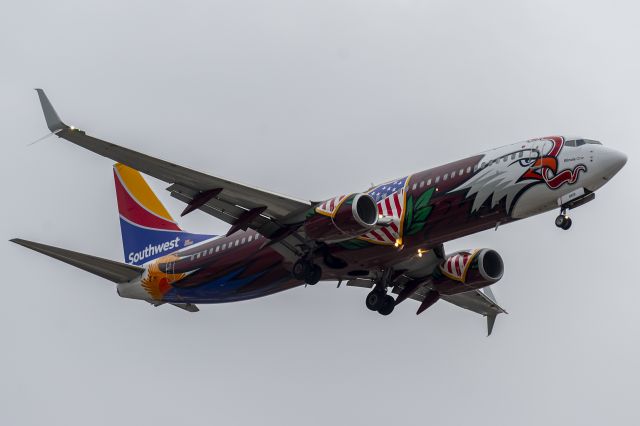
x=479 y=301
x=273 y=215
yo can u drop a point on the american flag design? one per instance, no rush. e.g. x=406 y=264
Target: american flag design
x=390 y=198
x=456 y=266
x=330 y=206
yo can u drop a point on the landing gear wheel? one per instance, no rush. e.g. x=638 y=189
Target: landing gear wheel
x=388 y=305
x=563 y=222
x=312 y=274
x=375 y=300
x=298 y=270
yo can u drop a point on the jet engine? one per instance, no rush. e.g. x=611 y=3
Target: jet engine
x=342 y=218
x=468 y=270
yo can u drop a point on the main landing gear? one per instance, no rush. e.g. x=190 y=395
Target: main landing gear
x=307 y=271
x=378 y=300
x=563 y=221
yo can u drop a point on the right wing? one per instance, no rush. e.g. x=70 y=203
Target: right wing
x=273 y=215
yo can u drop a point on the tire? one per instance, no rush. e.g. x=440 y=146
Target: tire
x=375 y=300
x=388 y=305
x=298 y=270
x=560 y=221
x=313 y=274
x=567 y=224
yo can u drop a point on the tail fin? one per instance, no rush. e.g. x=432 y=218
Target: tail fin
x=148 y=230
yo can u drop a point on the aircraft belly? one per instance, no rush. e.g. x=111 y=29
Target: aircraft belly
x=228 y=278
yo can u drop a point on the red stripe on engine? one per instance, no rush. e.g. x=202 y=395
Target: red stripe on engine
x=377 y=236
x=387 y=233
x=458 y=270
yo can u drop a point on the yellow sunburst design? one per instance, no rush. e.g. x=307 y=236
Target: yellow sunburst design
x=158 y=283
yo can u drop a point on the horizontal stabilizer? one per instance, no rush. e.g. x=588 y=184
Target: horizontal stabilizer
x=105 y=268
x=189 y=307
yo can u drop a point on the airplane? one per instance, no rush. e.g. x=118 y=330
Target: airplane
x=388 y=238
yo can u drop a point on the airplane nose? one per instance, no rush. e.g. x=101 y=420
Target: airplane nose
x=614 y=161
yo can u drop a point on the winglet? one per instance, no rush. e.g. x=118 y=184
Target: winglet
x=50 y=115
x=491 y=320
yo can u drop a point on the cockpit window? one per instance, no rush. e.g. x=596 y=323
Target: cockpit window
x=580 y=142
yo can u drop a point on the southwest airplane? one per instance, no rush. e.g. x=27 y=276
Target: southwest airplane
x=388 y=238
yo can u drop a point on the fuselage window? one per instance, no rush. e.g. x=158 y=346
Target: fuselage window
x=224 y=246
x=437 y=179
x=249 y=239
x=469 y=169
x=421 y=183
x=453 y=174
x=446 y=176
x=415 y=185
x=429 y=181
x=237 y=242
x=521 y=154
x=513 y=156
x=210 y=251
x=244 y=240
x=461 y=172
x=217 y=249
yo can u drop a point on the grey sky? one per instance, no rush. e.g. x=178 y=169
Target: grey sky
x=313 y=99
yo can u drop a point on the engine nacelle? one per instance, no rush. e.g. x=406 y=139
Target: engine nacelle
x=468 y=270
x=342 y=218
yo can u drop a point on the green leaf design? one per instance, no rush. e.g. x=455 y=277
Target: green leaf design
x=408 y=217
x=418 y=213
x=421 y=215
x=423 y=200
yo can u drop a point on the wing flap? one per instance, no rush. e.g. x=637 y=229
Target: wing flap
x=105 y=268
x=476 y=301
x=278 y=206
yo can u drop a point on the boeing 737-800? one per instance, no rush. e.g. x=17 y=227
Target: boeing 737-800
x=388 y=238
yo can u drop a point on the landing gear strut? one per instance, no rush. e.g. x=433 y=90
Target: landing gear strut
x=307 y=271
x=563 y=221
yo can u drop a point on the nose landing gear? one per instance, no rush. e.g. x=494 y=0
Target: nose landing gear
x=563 y=221
x=307 y=271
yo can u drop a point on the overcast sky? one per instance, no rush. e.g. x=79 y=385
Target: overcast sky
x=314 y=99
